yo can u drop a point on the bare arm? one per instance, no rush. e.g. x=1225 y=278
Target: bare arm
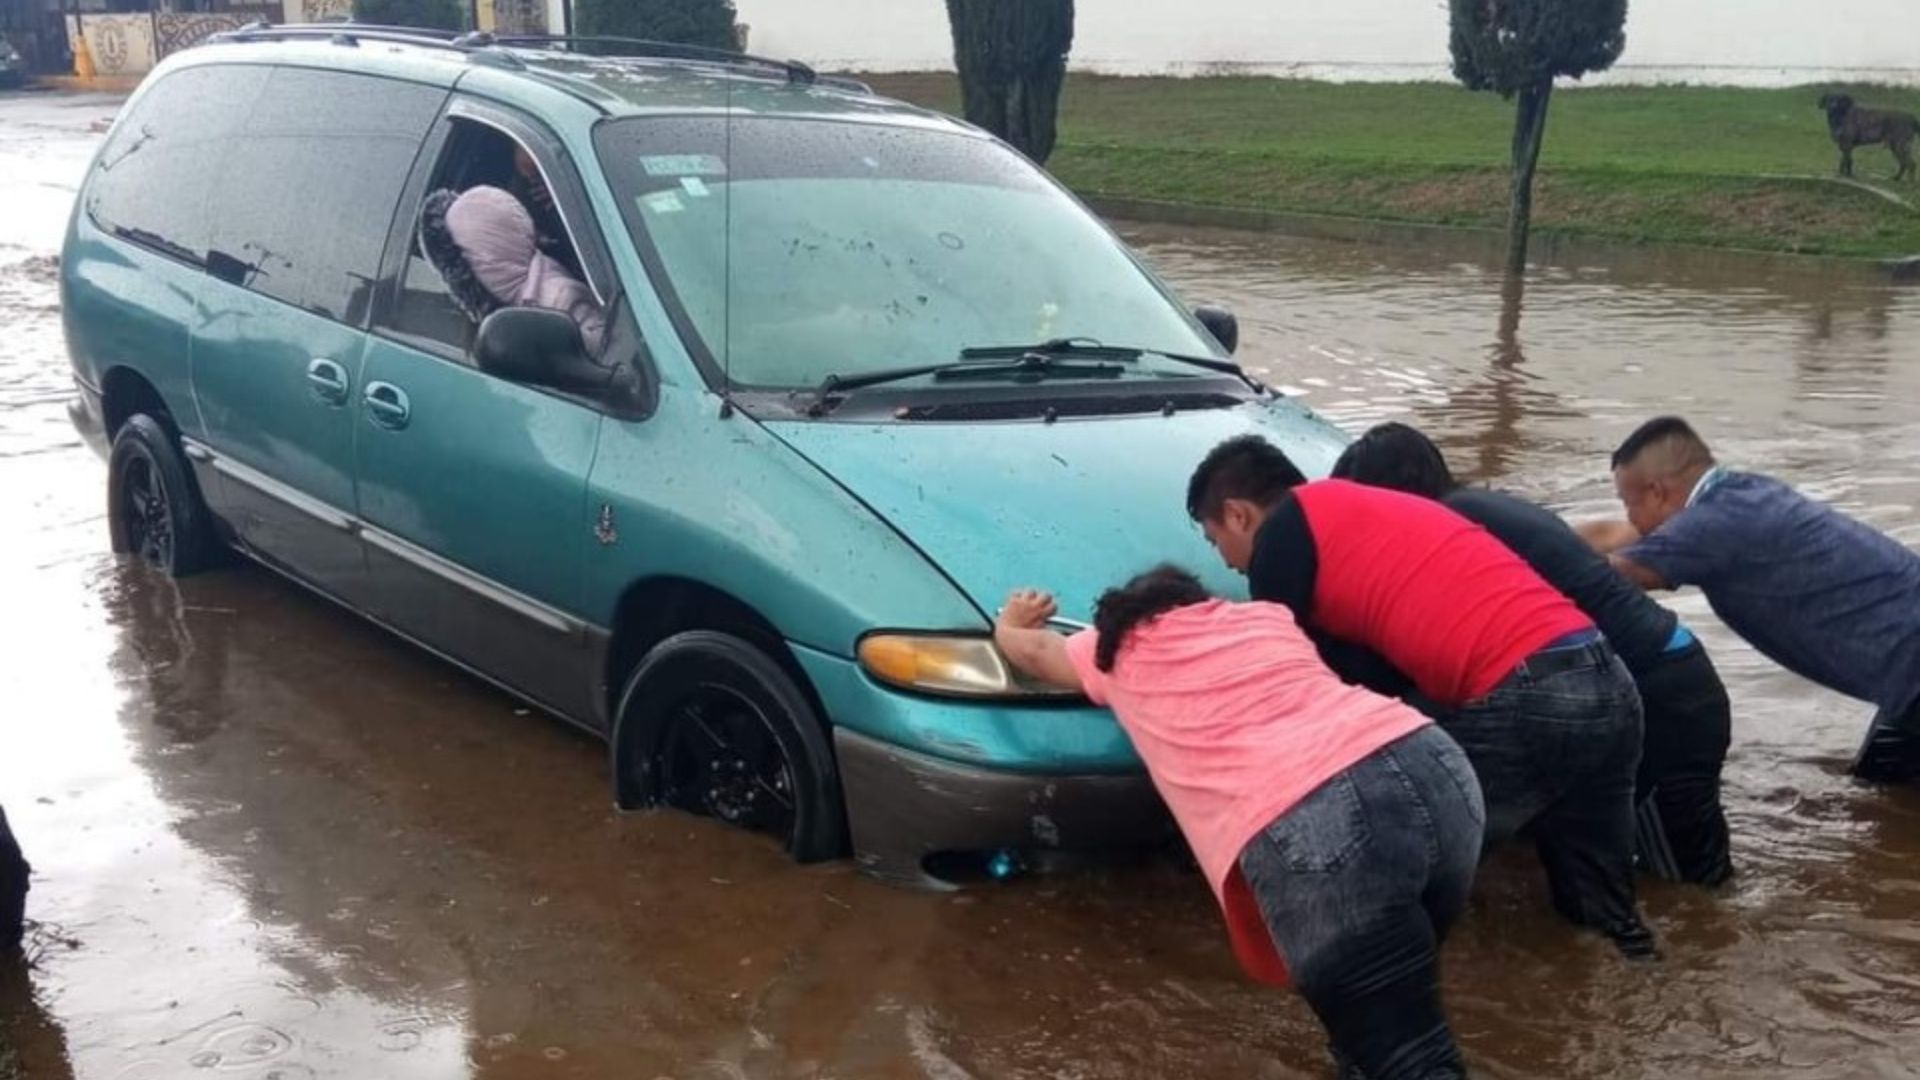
x=1022 y=635
x=1638 y=574
x=1607 y=537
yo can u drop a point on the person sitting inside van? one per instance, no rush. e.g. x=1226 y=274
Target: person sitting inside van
x=1339 y=829
x=484 y=243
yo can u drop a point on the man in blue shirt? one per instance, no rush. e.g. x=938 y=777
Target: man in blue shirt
x=1819 y=593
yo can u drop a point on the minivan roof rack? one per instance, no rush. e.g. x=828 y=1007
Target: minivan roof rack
x=494 y=49
x=645 y=48
x=353 y=33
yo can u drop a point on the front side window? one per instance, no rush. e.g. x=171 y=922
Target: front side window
x=796 y=249
x=306 y=192
x=476 y=154
x=155 y=179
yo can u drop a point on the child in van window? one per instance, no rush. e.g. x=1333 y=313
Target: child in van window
x=497 y=246
x=1338 y=828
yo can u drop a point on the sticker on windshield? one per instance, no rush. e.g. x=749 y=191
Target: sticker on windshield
x=694 y=186
x=683 y=165
x=663 y=202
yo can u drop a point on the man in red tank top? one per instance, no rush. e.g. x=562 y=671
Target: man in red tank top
x=1405 y=596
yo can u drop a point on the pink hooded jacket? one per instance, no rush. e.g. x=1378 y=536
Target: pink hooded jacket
x=496 y=235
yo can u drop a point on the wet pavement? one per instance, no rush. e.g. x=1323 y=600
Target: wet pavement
x=270 y=841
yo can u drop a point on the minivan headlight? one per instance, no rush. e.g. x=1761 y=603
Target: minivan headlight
x=953 y=665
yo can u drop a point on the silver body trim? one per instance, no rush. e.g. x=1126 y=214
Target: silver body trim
x=524 y=606
x=267 y=485
x=520 y=604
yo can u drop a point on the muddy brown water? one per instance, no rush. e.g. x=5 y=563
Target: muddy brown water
x=271 y=842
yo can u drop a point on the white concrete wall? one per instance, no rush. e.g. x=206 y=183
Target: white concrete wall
x=1758 y=42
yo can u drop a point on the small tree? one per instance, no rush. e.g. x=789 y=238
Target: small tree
x=1518 y=47
x=421 y=14
x=684 y=22
x=1012 y=59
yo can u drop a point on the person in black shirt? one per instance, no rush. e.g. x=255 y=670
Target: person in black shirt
x=1683 y=829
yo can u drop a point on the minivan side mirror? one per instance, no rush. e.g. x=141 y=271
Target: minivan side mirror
x=1221 y=323
x=538 y=347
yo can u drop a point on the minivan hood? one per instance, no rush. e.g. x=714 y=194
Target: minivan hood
x=1074 y=506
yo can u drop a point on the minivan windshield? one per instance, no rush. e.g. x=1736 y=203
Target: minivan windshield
x=794 y=249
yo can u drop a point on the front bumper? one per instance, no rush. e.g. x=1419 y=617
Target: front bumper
x=926 y=776
x=904 y=806
x=89 y=417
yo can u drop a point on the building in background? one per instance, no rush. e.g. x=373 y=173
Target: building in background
x=1737 y=42
x=126 y=38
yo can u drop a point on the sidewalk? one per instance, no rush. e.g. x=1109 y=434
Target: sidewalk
x=99 y=84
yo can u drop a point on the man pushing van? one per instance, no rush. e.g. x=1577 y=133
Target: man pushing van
x=1819 y=593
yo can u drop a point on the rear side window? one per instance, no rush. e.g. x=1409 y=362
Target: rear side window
x=308 y=189
x=151 y=183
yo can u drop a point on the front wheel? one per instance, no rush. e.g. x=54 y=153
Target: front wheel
x=710 y=724
x=154 y=509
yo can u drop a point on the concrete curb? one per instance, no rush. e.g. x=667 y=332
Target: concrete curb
x=99 y=84
x=1892 y=197
x=1545 y=246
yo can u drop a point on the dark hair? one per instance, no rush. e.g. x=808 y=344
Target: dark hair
x=1663 y=429
x=1399 y=457
x=1244 y=467
x=1147 y=596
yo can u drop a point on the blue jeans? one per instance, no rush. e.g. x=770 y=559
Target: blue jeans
x=1358 y=883
x=1556 y=746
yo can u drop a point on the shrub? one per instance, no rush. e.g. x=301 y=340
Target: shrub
x=1012 y=60
x=1516 y=48
x=422 y=14
x=685 y=22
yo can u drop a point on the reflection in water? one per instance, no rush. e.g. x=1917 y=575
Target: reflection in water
x=1502 y=393
x=32 y=1042
x=1792 y=369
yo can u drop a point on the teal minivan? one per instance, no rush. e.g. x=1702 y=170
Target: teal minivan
x=863 y=370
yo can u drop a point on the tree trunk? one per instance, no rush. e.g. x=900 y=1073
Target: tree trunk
x=1529 y=132
x=1035 y=109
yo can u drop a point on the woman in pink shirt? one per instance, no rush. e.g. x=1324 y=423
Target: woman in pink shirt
x=1338 y=828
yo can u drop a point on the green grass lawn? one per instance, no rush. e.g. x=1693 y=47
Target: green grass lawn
x=1702 y=165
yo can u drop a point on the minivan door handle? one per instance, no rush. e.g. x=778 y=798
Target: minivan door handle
x=387 y=405
x=328 y=380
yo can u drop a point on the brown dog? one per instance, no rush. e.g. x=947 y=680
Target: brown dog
x=1853 y=126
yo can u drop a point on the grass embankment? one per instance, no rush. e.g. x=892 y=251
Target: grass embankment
x=1696 y=165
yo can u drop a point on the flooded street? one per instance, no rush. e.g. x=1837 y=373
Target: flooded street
x=270 y=841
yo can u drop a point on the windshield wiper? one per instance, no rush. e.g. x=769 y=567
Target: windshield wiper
x=1035 y=361
x=1028 y=367
x=1073 y=348
x=1091 y=349
x=1055 y=356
